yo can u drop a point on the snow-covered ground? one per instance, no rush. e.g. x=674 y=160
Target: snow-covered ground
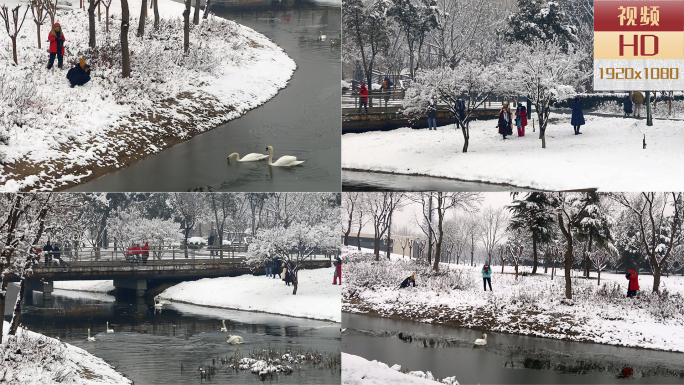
x=608 y=155
x=56 y=136
x=97 y=286
x=359 y=371
x=36 y=359
x=317 y=298
x=532 y=305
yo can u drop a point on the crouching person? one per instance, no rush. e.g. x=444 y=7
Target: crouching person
x=633 y=283
x=410 y=280
x=79 y=74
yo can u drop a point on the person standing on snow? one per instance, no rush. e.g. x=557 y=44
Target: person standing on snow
x=487 y=277
x=145 y=252
x=505 y=121
x=521 y=119
x=405 y=283
x=627 y=106
x=638 y=99
x=577 y=116
x=432 y=115
x=633 y=283
x=210 y=244
x=268 y=266
x=56 y=38
x=363 y=100
x=338 y=271
x=386 y=89
x=48 y=252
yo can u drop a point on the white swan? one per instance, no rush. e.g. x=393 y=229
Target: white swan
x=249 y=157
x=321 y=36
x=481 y=341
x=234 y=340
x=223 y=329
x=108 y=329
x=90 y=339
x=158 y=303
x=285 y=161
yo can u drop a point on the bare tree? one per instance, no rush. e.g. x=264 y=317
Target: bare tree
x=91 y=21
x=600 y=260
x=39 y=15
x=50 y=7
x=15 y=27
x=659 y=217
x=107 y=4
x=186 y=27
x=516 y=256
x=155 y=6
x=125 y=54
x=349 y=203
x=403 y=242
x=196 y=17
x=143 y=17
x=502 y=258
x=493 y=222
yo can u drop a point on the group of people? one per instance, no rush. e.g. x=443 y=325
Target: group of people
x=80 y=73
x=283 y=269
x=631 y=276
x=136 y=254
x=363 y=92
x=50 y=252
x=636 y=98
x=506 y=121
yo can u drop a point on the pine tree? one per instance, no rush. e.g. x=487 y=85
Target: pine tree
x=540 y=20
x=532 y=214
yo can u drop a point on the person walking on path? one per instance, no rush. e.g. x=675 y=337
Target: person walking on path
x=410 y=280
x=432 y=115
x=268 y=265
x=56 y=38
x=487 y=277
x=363 y=100
x=338 y=271
x=638 y=99
x=633 y=283
x=210 y=244
x=504 y=124
x=387 y=89
x=521 y=119
x=627 y=106
x=577 y=116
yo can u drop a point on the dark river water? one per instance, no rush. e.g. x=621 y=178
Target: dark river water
x=150 y=346
x=303 y=120
x=377 y=181
x=506 y=358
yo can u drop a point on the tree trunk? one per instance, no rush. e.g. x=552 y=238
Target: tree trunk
x=3 y=298
x=295 y=281
x=186 y=27
x=38 y=30
x=346 y=237
x=466 y=138
x=207 y=6
x=125 y=55
x=389 y=238
x=656 y=278
x=534 y=253
x=107 y=18
x=91 y=24
x=358 y=238
x=99 y=12
x=376 y=248
x=430 y=230
x=543 y=138
x=568 y=268
x=599 y=277
x=196 y=17
x=14 y=50
x=156 y=14
x=141 y=22
x=14 y=323
x=472 y=250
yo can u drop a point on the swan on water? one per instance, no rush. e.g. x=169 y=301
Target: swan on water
x=158 y=303
x=285 y=160
x=90 y=339
x=234 y=340
x=321 y=36
x=223 y=329
x=248 y=158
x=108 y=329
x=481 y=341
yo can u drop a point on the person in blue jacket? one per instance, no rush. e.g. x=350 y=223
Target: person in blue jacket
x=487 y=276
x=577 y=116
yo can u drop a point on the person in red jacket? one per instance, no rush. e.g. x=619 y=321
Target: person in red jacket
x=633 y=283
x=338 y=271
x=57 y=39
x=521 y=119
x=363 y=101
x=145 y=253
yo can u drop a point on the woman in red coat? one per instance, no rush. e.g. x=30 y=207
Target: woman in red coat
x=363 y=100
x=57 y=39
x=633 y=283
x=338 y=271
x=521 y=119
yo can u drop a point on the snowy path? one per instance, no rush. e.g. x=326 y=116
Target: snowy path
x=316 y=297
x=608 y=155
x=66 y=136
x=45 y=360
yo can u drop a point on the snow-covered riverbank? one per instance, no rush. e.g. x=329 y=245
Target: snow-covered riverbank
x=531 y=305
x=359 y=371
x=54 y=136
x=317 y=298
x=608 y=155
x=96 y=286
x=33 y=358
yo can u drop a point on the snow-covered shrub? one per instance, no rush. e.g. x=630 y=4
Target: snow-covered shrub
x=23 y=351
x=663 y=305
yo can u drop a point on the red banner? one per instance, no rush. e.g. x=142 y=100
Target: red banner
x=638 y=16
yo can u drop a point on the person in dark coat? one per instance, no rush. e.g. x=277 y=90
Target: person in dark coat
x=277 y=268
x=633 y=283
x=48 y=252
x=268 y=265
x=210 y=244
x=504 y=124
x=529 y=106
x=577 y=116
x=432 y=115
x=338 y=271
x=79 y=74
x=57 y=253
x=363 y=100
x=459 y=107
x=627 y=106
x=387 y=89
x=56 y=38
x=405 y=283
